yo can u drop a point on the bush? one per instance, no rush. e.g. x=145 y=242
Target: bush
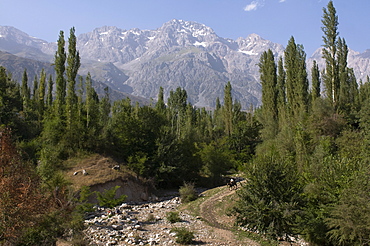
x=270 y=203
x=82 y=205
x=45 y=232
x=150 y=218
x=173 y=217
x=188 y=193
x=108 y=200
x=183 y=235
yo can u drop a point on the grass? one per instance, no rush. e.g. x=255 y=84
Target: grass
x=99 y=169
x=222 y=208
x=173 y=217
x=194 y=206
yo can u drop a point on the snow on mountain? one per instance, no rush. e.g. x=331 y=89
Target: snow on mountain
x=178 y=54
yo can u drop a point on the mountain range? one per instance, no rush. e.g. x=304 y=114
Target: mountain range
x=180 y=53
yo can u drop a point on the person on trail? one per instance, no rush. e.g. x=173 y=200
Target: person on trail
x=232 y=184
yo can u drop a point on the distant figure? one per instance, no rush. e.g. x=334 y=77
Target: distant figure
x=232 y=184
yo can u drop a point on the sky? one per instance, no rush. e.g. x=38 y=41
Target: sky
x=274 y=20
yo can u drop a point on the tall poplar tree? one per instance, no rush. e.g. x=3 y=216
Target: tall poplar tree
x=49 y=96
x=329 y=52
x=42 y=89
x=25 y=92
x=177 y=103
x=343 y=76
x=296 y=79
x=281 y=92
x=160 y=105
x=268 y=77
x=316 y=83
x=35 y=89
x=59 y=63
x=73 y=61
x=227 y=109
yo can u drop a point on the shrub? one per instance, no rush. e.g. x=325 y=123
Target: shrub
x=183 y=235
x=82 y=204
x=188 y=193
x=151 y=218
x=108 y=200
x=173 y=217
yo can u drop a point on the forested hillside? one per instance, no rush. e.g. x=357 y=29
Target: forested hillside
x=305 y=152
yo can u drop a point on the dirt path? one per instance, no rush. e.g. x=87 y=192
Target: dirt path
x=222 y=224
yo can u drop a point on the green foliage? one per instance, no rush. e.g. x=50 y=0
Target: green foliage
x=270 y=202
x=183 y=235
x=82 y=204
x=173 y=217
x=137 y=163
x=188 y=192
x=216 y=159
x=45 y=232
x=227 y=109
x=108 y=198
x=330 y=30
x=349 y=219
x=10 y=99
x=326 y=180
x=49 y=163
x=268 y=79
x=316 y=83
x=296 y=81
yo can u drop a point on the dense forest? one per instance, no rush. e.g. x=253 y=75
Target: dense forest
x=304 y=153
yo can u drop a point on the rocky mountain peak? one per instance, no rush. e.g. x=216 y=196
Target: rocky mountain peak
x=180 y=53
x=255 y=45
x=12 y=34
x=188 y=27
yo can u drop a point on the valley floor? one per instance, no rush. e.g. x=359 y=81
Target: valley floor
x=146 y=223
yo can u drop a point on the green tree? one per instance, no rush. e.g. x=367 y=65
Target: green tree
x=92 y=115
x=227 y=109
x=348 y=91
x=329 y=52
x=59 y=65
x=270 y=201
x=296 y=80
x=160 y=105
x=177 y=103
x=49 y=97
x=104 y=113
x=216 y=160
x=10 y=99
x=25 y=92
x=41 y=94
x=35 y=90
x=316 y=83
x=73 y=61
x=268 y=79
x=281 y=76
x=349 y=219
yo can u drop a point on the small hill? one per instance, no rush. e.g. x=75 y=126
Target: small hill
x=101 y=173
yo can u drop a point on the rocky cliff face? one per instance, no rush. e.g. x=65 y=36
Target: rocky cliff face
x=360 y=62
x=178 y=54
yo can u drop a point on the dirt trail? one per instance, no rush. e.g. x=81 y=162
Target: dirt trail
x=221 y=223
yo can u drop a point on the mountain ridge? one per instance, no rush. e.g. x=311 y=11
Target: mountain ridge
x=180 y=53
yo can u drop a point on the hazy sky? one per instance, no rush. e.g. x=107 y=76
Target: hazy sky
x=275 y=20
